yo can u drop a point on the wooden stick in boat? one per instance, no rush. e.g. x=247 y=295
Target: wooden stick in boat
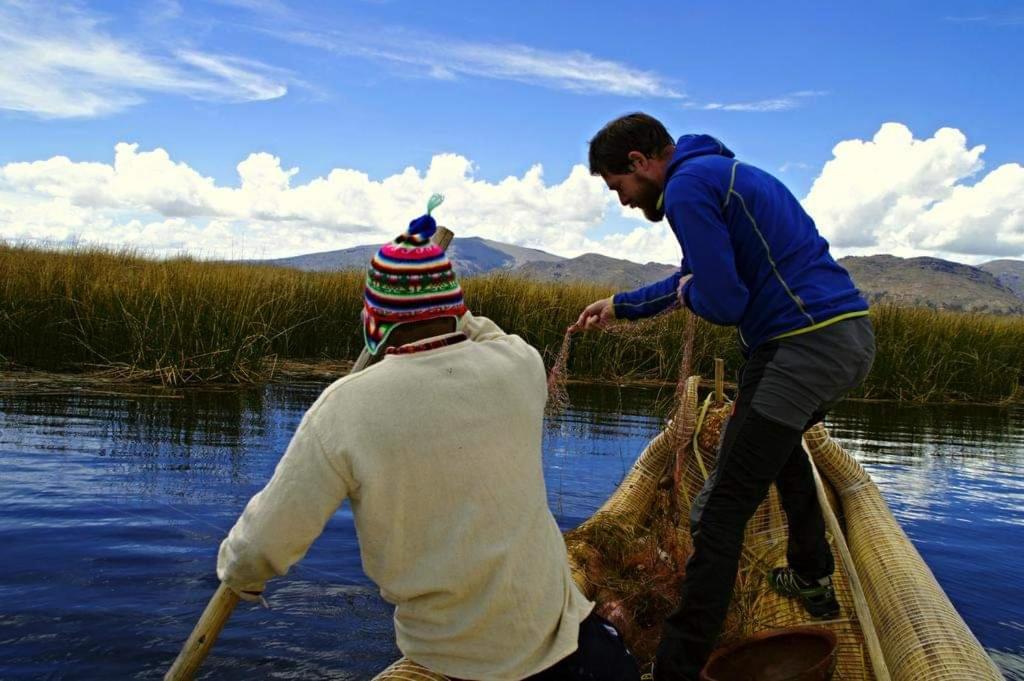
x=224 y=600
x=719 y=380
x=860 y=603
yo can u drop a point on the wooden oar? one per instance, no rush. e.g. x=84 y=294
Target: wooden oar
x=224 y=600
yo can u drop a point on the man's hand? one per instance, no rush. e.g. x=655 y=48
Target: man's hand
x=597 y=315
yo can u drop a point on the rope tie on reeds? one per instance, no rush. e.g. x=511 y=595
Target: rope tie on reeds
x=855 y=487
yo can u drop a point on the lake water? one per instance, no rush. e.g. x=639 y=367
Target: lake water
x=112 y=508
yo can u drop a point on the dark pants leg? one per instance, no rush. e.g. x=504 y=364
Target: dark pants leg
x=754 y=451
x=808 y=551
x=793 y=382
x=601 y=655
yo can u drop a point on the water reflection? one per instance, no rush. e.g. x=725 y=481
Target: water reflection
x=952 y=476
x=113 y=507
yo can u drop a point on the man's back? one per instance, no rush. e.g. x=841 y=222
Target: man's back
x=757 y=258
x=439 y=451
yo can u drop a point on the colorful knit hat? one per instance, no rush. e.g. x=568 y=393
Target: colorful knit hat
x=409 y=280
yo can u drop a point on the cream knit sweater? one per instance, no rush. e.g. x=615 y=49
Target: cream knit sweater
x=439 y=452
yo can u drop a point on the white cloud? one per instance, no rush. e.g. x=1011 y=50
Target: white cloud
x=783 y=103
x=275 y=8
x=902 y=195
x=447 y=58
x=68 y=66
x=892 y=193
x=648 y=242
x=793 y=165
x=1007 y=19
x=145 y=198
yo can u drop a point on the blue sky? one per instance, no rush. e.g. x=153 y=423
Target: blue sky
x=475 y=95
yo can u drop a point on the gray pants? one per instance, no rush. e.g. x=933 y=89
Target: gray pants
x=802 y=379
x=785 y=388
x=810 y=373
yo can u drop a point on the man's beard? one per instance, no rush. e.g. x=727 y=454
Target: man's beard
x=648 y=200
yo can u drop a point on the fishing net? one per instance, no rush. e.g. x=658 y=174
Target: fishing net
x=656 y=326
x=558 y=394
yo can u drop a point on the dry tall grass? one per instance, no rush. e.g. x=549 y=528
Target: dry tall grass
x=183 y=320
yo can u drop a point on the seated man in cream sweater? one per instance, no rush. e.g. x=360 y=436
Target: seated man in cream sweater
x=437 y=445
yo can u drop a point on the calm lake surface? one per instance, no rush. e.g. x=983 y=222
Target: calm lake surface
x=112 y=508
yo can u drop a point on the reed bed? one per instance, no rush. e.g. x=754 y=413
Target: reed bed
x=184 y=320
x=174 y=321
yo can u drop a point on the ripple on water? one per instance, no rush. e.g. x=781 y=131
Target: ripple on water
x=113 y=509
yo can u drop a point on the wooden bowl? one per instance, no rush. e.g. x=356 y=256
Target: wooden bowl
x=792 y=654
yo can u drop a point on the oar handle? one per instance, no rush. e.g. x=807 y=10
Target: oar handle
x=220 y=607
x=199 y=643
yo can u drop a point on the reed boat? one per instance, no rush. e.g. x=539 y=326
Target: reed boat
x=895 y=620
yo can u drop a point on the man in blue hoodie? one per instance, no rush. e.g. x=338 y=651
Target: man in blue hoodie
x=752 y=258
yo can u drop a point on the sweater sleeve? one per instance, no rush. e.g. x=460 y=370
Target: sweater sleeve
x=649 y=300
x=716 y=291
x=280 y=523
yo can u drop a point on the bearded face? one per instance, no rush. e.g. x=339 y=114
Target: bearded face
x=637 y=191
x=648 y=194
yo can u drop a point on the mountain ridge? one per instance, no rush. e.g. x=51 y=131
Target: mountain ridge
x=931 y=282
x=995 y=287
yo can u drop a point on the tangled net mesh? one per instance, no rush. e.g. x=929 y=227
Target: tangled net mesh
x=558 y=393
x=558 y=375
x=633 y=566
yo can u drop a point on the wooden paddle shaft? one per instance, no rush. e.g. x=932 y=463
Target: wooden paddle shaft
x=860 y=603
x=224 y=600
x=213 y=619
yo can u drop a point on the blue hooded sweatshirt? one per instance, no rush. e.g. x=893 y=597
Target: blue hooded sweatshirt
x=757 y=260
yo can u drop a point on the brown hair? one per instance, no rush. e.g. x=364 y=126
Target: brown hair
x=609 y=150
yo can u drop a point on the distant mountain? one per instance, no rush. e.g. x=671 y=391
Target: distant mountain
x=473 y=255
x=931 y=282
x=591 y=267
x=355 y=258
x=469 y=255
x=1010 y=274
x=996 y=287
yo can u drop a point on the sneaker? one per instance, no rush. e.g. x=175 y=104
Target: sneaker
x=817 y=596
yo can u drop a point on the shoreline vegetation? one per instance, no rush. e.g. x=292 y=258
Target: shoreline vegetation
x=184 y=321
